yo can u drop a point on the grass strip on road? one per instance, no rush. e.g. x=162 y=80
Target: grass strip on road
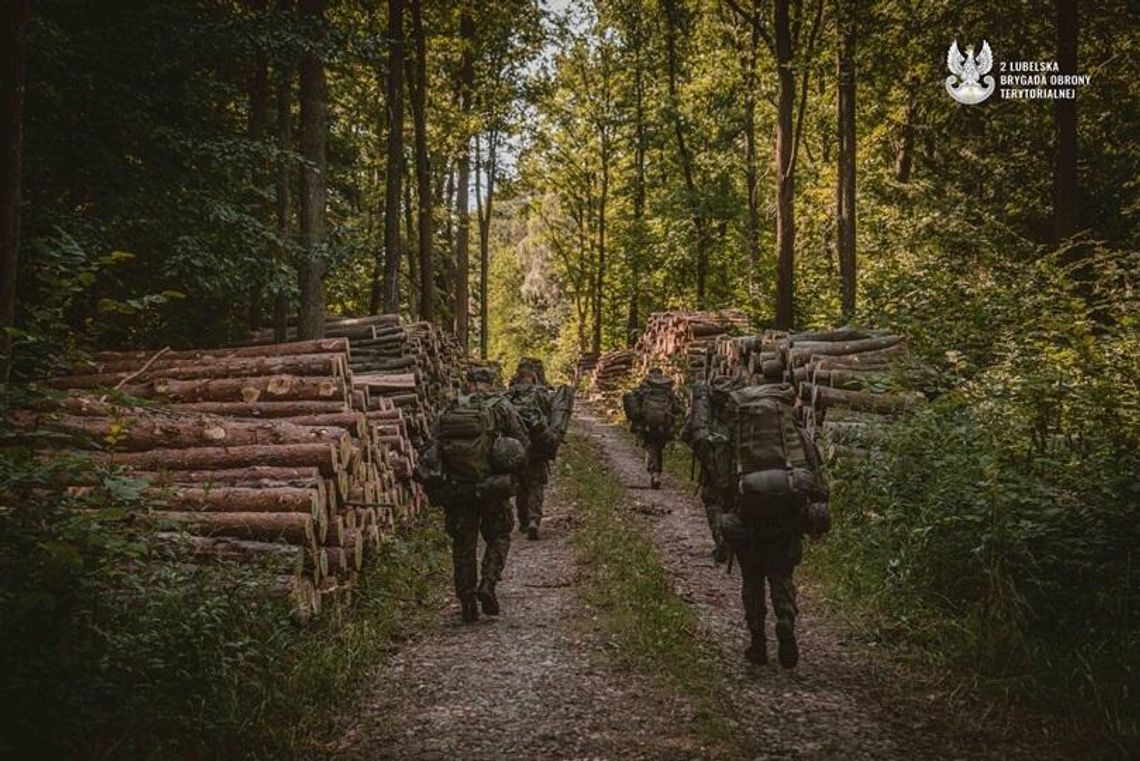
x=626 y=582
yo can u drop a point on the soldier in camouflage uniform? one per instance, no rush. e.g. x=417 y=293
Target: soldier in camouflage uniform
x=654 y=438
x=489 y=517
x=533 y=481
x=770 y=551
x=767 y=549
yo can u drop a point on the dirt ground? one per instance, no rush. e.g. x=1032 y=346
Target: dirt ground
x=538 y=682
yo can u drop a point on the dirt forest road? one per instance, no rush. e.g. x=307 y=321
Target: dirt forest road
x=539 y=683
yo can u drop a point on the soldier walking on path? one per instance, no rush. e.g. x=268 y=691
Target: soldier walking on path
x=764 y=476
x=653 y=411
x=471 y=469
x=533 y=401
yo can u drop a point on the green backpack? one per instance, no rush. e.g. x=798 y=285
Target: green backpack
x=466 y=434
x=656 y=407
x=533 y=404
x=756 y=450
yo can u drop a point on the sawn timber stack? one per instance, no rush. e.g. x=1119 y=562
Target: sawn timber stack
x=255 y=452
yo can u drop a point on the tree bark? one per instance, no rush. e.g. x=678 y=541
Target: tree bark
x=463 y=185
x=294 y=528
x=685 y=156
x=394 y=171
x=12 y=80
x=264 y=388
x=1066 y=192
x=417 y=87
x=904 y=158
x=751 y=171
x=845 y=195
x=257 y=126
x=314 y=184
x=633 y=321
x=785 y=174
x=307 y=365
x=283 y=193
x=485 y=208
x=319 y=455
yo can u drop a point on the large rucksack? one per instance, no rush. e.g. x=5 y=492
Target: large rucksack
x=754 y=449
x=533 y=403
x=466 y=433
x=657 y=407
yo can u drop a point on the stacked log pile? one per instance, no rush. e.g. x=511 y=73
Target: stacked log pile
x=258 y=452
x=677 y=342
x=612 y=370
x=585 y=367
x=418 y=367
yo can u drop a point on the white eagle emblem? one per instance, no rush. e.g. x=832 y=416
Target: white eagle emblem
x=969 y=70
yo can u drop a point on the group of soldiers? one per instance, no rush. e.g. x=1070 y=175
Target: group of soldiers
x=491 y=446
x=760 y=482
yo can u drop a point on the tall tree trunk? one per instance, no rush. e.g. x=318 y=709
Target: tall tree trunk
x=283 y=191
x=257 y=127
x=634 y=319
x=13 y=49
x=751 y=171
x=484 y=214
x=463 y=184
x=904 y=158
x=1066 y=192
x=845 y=195
x=314 y=188
x=785 y=174
x=686 y=160
x=394 y=170
x=409 y=236
x=600 y=281
x=447 y=271
x=417 y=88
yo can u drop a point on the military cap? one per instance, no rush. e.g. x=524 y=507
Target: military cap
x=480 y=375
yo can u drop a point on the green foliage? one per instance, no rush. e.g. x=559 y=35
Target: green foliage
x=997 y=528
x=115 y=645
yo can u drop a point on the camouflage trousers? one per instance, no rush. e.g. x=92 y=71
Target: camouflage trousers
x=654 y=449
x=710 y=498
x=772 y=559
x=532 y=490
x=464 y=524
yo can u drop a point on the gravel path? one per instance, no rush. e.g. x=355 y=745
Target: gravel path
x=539 y=682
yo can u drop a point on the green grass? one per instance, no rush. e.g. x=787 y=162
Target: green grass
x=657 y=632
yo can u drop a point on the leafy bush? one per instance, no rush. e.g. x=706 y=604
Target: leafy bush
x=998 y=525
x=115 y=645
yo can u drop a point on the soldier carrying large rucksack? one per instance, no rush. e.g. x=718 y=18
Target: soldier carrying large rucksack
x=471 y=469
x=763 y=474
x=653 y=411
x=546 y=415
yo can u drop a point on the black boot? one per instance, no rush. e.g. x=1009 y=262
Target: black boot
x=720 y=554
x=757 y=652
x=489 y=602
x=532 y=530
x=789 y=650
x=654 y=481
x=470 y=609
